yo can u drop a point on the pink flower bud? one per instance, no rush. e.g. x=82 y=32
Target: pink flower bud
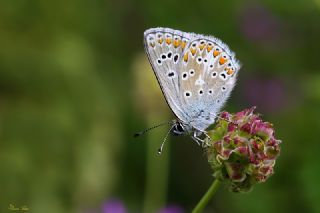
x=242 y=149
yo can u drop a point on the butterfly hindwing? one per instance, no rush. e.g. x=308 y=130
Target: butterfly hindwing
x=208 y=77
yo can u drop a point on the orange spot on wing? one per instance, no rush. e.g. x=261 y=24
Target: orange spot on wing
x=230 y=72
x=209 y=48
x=183 y=44
x=185 y=57
x=193 y=51
x=201 y=46
x=160 y=40
x=222 y=60
x=176 y=43
x=215 y=53
x=168 y=41
x=152 y=44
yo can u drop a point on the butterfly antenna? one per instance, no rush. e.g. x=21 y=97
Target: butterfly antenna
x=164 y=140
x=151 y=128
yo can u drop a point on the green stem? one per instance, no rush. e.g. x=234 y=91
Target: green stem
x=207 y=197
x=157 y=168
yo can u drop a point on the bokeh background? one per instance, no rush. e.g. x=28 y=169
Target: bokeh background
x=75 y=85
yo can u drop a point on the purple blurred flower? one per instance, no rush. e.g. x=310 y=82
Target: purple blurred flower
x=171 y=209
x=117 y=206
x=268 y=94
x=259 y=24
x=113 y=206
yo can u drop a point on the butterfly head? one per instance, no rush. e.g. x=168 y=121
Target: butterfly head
x=180 y=128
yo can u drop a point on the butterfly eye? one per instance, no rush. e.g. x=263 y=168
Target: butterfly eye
x=179 y=127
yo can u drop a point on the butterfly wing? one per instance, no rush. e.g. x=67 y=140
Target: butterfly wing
x=165 y=48
x=196 y=73
x=209 y=71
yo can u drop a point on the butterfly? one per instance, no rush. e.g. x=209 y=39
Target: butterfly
x=196 y=74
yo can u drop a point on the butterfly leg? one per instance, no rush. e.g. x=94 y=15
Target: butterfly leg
x=196 y=138
x=204 y=142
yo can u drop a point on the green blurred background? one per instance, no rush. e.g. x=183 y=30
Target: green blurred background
x=75 y=85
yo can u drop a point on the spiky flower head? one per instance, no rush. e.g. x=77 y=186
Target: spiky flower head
x=242 y=149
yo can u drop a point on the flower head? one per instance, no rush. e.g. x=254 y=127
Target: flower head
x=242 y=149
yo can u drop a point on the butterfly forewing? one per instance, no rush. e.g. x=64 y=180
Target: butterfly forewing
x=165 y=48
x=198 y=77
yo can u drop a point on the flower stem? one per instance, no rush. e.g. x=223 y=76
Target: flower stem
x=157 y=169
x=207 y=197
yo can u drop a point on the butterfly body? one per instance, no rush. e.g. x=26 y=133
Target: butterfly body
x=196 y=74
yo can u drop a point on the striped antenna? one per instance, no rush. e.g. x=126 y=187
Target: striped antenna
x=151 y=128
